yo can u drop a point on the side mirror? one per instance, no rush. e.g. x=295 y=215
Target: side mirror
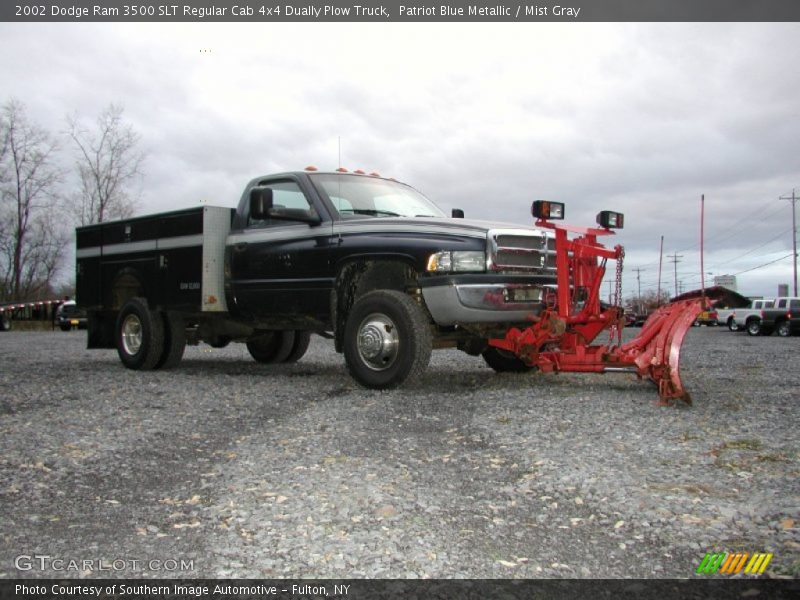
x=260 y=203
x=457 y=213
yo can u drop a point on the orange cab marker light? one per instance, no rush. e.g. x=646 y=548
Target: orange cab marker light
x=311 y=168
x=359 y=172
x=341 y=170
x=374 y=174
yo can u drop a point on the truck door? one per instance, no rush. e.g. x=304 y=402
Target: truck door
x=281 y=268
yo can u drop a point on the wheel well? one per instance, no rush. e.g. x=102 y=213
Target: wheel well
x=360 y=277
x=127 y=285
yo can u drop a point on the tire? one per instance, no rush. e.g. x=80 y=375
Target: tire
x=65 y=326
x=301 y=341
x=504 y=361
x=271 y=348
x=5 y=322
x=174 y=341
x=387 y=340
x=733 y=325
x=783 y=329
x=139 y=335
x=221 y=342
x=754 y=327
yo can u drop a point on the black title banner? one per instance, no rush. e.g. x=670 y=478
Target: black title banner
x=399 y=11
x=388 y=589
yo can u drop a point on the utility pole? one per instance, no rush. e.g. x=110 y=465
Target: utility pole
x=793 y=199
x=675 y=260
x=639 y=285
x=660 y=261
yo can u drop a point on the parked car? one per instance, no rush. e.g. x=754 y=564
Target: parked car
x=740 y=318
x=782 y=317
x=707 y=318
x=69 y=316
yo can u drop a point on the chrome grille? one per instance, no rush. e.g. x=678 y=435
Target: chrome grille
x=521 y=251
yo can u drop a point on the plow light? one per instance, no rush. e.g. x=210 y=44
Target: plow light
x=544 y=209
x=610 y=219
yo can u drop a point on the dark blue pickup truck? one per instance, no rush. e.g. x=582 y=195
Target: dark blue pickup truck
x=367 y=261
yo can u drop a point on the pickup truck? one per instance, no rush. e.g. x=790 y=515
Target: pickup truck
x=782 y=317
x=366 y=261
x=739 y=319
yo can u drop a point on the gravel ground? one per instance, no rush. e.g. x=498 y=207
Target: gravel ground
x=245 y=470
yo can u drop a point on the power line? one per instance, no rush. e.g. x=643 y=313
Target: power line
x=765 y=264
x=782 y=233
x=734 y=229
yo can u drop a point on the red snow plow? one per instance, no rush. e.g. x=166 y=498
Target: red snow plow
x=561 y=337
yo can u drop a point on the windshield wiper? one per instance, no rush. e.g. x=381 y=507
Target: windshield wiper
x=370 y=211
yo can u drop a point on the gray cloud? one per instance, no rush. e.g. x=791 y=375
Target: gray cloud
x=638 y=117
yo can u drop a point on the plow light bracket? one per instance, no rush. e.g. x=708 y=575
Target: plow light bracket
x=544 y=209
x=610 y=219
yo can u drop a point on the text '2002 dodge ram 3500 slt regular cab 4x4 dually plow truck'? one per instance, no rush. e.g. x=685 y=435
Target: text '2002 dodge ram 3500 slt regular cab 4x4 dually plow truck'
x=374 y=265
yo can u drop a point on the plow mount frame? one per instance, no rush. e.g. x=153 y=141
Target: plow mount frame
x=560 y=337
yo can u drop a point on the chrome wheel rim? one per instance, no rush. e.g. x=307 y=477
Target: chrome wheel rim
x=132 y=334
x=378 y=342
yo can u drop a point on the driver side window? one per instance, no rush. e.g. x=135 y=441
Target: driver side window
x=285 y=194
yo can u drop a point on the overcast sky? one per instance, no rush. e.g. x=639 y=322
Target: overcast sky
x=640 y=118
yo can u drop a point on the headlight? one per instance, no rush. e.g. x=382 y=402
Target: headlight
x=462 y=261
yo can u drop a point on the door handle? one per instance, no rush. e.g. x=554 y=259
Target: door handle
x=241 y=247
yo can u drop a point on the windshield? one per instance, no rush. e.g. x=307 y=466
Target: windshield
x=359 y=196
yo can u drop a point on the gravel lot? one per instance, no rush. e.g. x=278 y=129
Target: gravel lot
x=246 y=470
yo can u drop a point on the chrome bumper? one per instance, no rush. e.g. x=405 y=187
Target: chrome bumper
x=456 y=303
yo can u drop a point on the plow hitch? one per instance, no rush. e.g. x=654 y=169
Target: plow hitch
x=561 y=337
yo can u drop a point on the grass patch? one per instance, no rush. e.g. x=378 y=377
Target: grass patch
x=745 y=444
x=773 y=458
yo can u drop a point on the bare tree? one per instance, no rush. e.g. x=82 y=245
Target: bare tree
x=31 y=245
x=108 y=163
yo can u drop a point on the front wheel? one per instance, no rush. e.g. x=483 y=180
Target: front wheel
x=783 y=329
x=733 y=325
x=140 y=335
x=387 y=339
x=5 y=322
x=754 y=327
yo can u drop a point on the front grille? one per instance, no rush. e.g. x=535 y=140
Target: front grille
x=522 y=251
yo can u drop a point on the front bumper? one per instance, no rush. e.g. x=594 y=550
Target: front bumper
x=466 y=299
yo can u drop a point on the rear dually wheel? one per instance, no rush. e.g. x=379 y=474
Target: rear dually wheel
x=139 y=335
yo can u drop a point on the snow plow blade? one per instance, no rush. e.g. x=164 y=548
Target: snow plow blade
x=552 y=344
x=656 y=351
